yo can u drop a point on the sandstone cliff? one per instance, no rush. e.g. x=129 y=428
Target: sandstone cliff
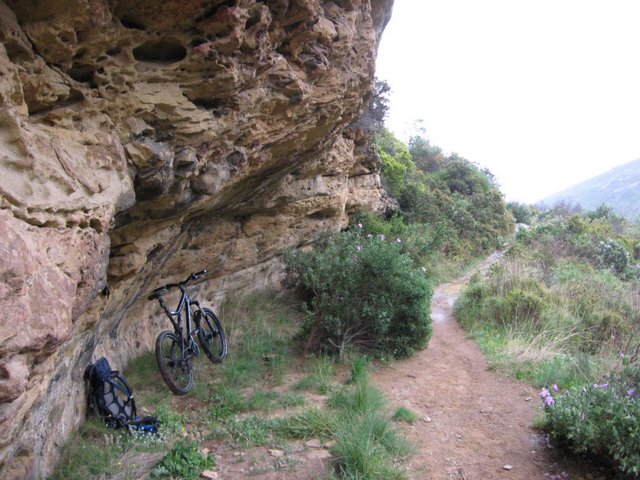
x=142 y=140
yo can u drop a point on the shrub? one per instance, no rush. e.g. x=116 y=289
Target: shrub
x=603 y=419
x=419 y=240
x=363 y=294
x=612 y=254
x=184 y=461
x=521 y=212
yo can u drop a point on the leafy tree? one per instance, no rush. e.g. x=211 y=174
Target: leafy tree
x=426 y=156
x=373 y=118
x=521 y=212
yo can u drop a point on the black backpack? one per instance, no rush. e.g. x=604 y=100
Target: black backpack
x=111 y=397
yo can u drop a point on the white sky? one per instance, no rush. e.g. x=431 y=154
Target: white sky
x=544 y=93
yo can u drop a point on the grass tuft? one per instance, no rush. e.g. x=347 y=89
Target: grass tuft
x=320 y=370
x=403 y=414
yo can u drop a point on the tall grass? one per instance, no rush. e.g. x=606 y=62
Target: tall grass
x=367 y=445
x=564 y=324
x=260 y=329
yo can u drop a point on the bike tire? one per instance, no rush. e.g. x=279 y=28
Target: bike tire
x=176 y=368
x=212 y=337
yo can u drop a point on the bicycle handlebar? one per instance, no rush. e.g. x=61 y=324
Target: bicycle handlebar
x=158 y=292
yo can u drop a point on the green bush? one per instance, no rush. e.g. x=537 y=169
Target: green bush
x=364 y=294
x=612 y=254
x=521 y=212
x=602 y=419
x=419 y=240
x=448 y=191
x=183 y=461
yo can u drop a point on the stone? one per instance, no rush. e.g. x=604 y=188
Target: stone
x=319 y=454
x=276 y=453
x=134 y=151
x=209 y=474
x=507 y=467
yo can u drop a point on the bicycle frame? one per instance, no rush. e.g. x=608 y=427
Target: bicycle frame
x=185 y=304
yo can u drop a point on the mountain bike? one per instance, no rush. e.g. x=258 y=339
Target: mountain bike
x=175 y=351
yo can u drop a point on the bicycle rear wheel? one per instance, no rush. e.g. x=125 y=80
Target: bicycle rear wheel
x=212 y=337
x=174 y=363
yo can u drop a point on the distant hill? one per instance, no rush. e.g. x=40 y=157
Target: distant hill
x=619 y=188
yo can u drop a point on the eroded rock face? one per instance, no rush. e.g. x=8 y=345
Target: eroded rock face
x=143 y=140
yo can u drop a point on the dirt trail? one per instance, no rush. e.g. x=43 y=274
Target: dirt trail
x=474 y=423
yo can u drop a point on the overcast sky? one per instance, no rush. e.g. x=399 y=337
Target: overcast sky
x=544 y=93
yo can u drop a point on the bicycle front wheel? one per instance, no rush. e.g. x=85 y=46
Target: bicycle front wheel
x=174 y=363
x=212 y=337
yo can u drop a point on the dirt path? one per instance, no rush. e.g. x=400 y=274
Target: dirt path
x=474 y=423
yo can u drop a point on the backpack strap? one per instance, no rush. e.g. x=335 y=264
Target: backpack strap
x=121 y=385
x=122 y=410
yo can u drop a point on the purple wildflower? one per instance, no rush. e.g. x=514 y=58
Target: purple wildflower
x=632 y=392
x=549 y=401
x=544 y=393
x=381 y=237
x=398 y=240
x=359 y=225
x=555 y=387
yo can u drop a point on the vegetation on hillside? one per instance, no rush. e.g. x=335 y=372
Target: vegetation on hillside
x=563 y=310
x=448 y=193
